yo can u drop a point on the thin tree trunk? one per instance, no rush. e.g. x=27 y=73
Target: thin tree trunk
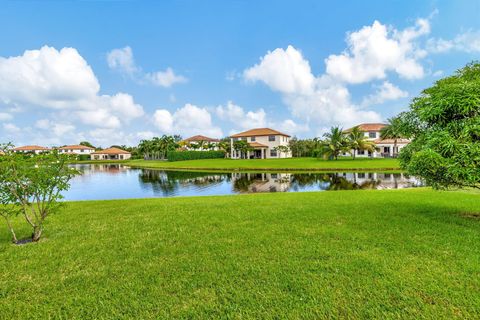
x=37 y=233
x=10 y=227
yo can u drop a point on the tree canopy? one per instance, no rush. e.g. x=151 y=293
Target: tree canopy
x=444 y=123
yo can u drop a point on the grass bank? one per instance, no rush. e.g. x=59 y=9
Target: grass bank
x=348 y=254
x=285 y=165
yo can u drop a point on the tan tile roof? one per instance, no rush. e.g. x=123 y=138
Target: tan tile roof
x=391 y=141
x=30 y=148
x=111 y=151
x=76 y=147
x=201 y=138
x=368 y=127
x=257 y=145
x=259 y=132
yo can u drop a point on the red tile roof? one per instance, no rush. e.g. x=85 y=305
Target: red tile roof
x=111 y=151
x=201 y=138
x=76 y=147
x=31 y=148
x=368 y=127
x=257 y=145
x=259 y=132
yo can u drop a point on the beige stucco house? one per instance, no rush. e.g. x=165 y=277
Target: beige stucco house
x=32 y=149
x=111 y=154
x=76 y=149
x=385 y=146
x=200 y=143
x=264 y=142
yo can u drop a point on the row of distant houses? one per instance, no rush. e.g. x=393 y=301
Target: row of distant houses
x=106 y=154
x=265 y=143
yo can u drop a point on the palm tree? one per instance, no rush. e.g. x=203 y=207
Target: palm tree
x=358 y=141
x=334 y=144
x=392 y=131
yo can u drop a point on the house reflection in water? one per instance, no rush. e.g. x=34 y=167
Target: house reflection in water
x=281 y=182
x=261 y=182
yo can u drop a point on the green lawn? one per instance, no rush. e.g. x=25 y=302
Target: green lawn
x=290 y=164
x=347 y=254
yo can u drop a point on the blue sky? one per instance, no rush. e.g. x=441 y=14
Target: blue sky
x=115 y=72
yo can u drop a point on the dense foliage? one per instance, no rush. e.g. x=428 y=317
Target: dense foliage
x=194 y=155
x=444 y=122
x=158 y=147
x=304 y=147
x=32 y=185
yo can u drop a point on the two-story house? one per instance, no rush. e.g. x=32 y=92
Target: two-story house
x=263 y=141
x=200 y=143
x=76 y=149
x=385 y=147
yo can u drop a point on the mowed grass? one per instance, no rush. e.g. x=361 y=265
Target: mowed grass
x=289 y=164
x=347 y=254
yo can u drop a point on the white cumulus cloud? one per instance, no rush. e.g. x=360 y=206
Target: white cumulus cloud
x=188 y=121
x=468 y=41
x=241 y=119
x=122 y=60
x=377 y=49
x=385 y=92
x=62 y=80
x=282 y=70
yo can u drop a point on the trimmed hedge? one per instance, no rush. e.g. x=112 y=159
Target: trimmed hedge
x=194 y=155
x=83 y=157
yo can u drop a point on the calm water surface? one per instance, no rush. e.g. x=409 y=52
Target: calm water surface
x=102 y=182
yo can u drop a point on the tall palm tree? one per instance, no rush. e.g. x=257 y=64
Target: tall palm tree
x=334 y=144
x=358 y=141
x=393 y=131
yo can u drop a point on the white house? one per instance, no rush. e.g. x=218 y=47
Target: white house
x=385 y=146
x=32 y=149
x=199 y=143
x=76 y=149
x=264 y=142
x=111 y=154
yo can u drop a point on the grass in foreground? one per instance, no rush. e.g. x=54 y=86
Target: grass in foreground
x=347 y=254
x=289 y=164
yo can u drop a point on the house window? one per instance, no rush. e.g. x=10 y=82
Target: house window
x=235 y=139
x=273 y=153
x=361 y=176
x=372 y=134
x=386 y=149
x=361 y=152
x=252 y=139
x=244 y=139
x=271 y=138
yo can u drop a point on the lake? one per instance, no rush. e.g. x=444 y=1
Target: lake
x=116 y=181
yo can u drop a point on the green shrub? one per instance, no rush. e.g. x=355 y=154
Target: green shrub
x=83 y=157
x=194 y=155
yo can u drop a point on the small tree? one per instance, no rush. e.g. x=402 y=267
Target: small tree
x=444 y=122
x=282 y=149
x=334 y=144
x=357 y=141
x=393 y=130
x=243 y=147
x=34 y=185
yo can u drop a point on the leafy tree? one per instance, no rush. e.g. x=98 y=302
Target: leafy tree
x=225 y=146
x=393 y=130
x=444 y=122
x=33 y=186
x=282 y=149
x=86 y=144
x=243 y=147
x=357 y=141
x=158 y=147
x=334 y=144
x=304 y=147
